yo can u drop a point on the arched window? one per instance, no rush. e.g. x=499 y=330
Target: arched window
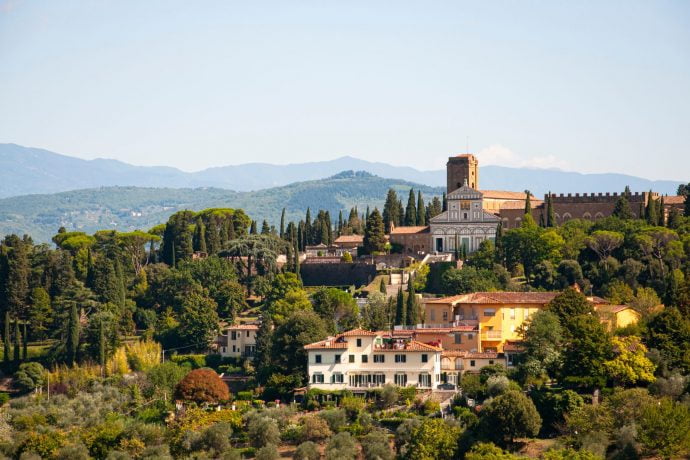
x=599 y=215
x=587 y=216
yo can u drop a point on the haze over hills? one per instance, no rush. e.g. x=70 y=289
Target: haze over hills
x=129 y=208
x=26 y=170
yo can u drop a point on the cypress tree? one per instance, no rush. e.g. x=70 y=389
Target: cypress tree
x=6 y=339
x=223 y=236
x=101 y=344
x=17 y=342
x=411 y=210
x=412 y=309
x=72 y=345
x=282 y=224
x=401 y=214
x=686 y=203
x=252 y=229
x=25 y=343
x=444 y=204
x=674 y=219
x=528 y=203
x=89 y=269
x=297 y=268
x=340 y=222
x=374 y=236
x=390 y=210
x=651 y=211
x=622 y=207
x=458 y=251
x=300 y=235
x=199 y=237
x=121 y=286
x=213 y=245
x=662 y=213
x=366 y=214
x=550 y=213
x=382 y=287
x=173 y=259
x=265 y=229
x=421 y=209
x=308 y=236
x=231 y=229
x=400 y=312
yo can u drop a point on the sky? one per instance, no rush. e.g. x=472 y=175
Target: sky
x=590 y=86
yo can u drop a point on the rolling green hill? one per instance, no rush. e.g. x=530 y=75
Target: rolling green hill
x=128 y=208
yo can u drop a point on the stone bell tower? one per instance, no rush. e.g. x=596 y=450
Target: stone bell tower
x=462 y=168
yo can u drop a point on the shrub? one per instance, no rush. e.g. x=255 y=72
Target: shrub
x=497 y=384
x=434 y=438
x=389 y=395
x=4 y=397
x=164 y=377
x=307 y=451
x=245 y=395
x=404 y=433
x=407 y=394
x=118 y=364
x=375 y=446
x=352 y=405
x=341 y=447
x=262 y=431
x=315 y=428
x=143 y=354
x=202 y=386
x=216 y=438
x=195 y=361
x=509 y=416
x=336 y=419
x=29 y=376
x=268 y=452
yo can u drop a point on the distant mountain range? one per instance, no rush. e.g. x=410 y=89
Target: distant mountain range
x=129 y=208
x=25 y=170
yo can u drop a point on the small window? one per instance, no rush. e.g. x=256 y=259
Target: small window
x=352 y=358
x=317 y=378
x=401 y=379
x=425 y=358
x=491 y=361
x=379 y=358
x=470 y=336
x=365 y=359
x=337 y=378
x=400 y=358
x=458 y=337
x=472 y=363
x=337 y=358
x=233 y=335
x=445 y=316
x=247 y=333
x=317 y=359
x=359 y=342
x=432 y=315
x=489 y=312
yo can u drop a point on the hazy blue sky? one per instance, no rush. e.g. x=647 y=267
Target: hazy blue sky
x=586 y=86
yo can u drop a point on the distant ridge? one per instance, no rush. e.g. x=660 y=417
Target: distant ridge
x=25 y=170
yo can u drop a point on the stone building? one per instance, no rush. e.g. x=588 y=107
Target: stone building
x=413 y=240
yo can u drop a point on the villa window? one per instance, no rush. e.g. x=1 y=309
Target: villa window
x=359 y=342
x=352 y=358
x=337 y=378
x=317 y=378
x=233 y=335
x=425 y=358
x=400 y=358
x=490 y=312
x=317 y=358
x=401 y=380
x=458 y=337
x=424 y=380
x=336 y=359
x=365 y=359
x=472 y=363
x=379 y=358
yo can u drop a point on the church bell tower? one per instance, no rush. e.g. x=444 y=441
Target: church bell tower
x=462 y=169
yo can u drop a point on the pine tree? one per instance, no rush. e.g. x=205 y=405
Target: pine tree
x=72 y=345
x=528 y=203
x=411 y=210
x=421 y=210
x=550 y=213
x=282 y=224
x=412 y=308
x=400 y=312
x=7 y=344
x=17 y=342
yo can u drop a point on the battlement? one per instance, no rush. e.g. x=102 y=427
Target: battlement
x=600 y=197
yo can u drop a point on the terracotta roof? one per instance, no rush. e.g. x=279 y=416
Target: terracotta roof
x=612 y=308
x=454 y=353
x=329 y=343
x=505 y=195
x=244 y=327
x=513 y=346
x=357 y=332
x=506 y=298
x=677 y=199
x=349 y=239
x=409 y=230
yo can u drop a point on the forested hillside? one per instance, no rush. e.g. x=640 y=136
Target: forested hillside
x=129 y=208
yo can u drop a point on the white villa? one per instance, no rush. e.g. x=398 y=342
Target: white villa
x=238 y=341
x=360 y=359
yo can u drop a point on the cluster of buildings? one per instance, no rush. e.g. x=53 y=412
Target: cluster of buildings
x=460 y=334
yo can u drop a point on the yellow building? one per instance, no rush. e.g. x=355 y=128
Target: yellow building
x=495 y=316
x=617 y=316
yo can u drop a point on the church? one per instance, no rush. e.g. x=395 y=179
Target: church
x=465 y=223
